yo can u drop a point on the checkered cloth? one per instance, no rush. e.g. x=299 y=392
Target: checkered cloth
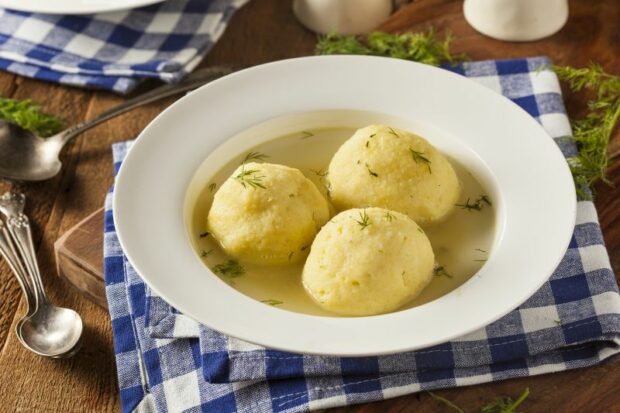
x=113 y=50
x=169 y=363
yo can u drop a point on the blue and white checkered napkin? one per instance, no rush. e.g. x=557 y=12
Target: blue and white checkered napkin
x=113 y=50
x=169 y=363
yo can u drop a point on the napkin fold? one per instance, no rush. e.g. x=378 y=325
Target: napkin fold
x=167 y=362
x=113 y=50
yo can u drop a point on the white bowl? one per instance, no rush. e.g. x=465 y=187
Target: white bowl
x=503 y=146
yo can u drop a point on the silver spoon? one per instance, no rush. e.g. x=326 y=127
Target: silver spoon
x=27 y=157
x=46 y=329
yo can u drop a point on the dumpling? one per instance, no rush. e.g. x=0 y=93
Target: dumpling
x=267 y=214
x=380 y=166
x=368 y=261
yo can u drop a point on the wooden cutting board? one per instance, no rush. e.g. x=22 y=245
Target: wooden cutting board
x=79 y=257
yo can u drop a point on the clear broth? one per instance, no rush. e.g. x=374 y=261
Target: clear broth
x=462 y=242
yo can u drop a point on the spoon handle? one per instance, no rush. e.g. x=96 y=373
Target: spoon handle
x=194 y=80
x=7 y=250
x=19 y=228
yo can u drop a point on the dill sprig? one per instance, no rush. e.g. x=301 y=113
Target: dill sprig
x=592 y=133
x=446 y=402
x=29 y=116
x=319 y=172
x=204 y=253
x=230 y=268
x=420 y=157
x=440 y=271
x=250 y=178
x=500 y=405
x=364 y=220
x=305 y=134
x=204 y=234
x=389 y=217
x=371 y=172
x=477 y=205
x=254 y=157
x=505 y=404
x=212 y=186
x=423 y=47
x=272 y=302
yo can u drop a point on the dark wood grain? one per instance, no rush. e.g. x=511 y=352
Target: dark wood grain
x=262 y=31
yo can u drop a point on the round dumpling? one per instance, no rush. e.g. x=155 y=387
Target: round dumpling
x=389 y=168
x=368 y=261
x=267 y=214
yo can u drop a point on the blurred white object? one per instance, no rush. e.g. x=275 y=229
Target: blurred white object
x=516 y=20
x=342 y=16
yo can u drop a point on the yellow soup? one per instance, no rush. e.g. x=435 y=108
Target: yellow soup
x=461 y=242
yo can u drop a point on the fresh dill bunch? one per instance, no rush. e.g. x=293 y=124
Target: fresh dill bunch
x=230 y=268
x=254 y=156
x=423 y=47
x=250 y=178
x=592 y=133
x=29 y=116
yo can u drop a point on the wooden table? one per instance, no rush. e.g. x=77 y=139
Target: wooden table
x=263 y=31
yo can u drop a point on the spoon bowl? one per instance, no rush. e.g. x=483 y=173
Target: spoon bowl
x=51 y=331
x=25 y=156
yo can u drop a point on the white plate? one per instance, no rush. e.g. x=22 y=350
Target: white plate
x=74 y=6
x=500 y=143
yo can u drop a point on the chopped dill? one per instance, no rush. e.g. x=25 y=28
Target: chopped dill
x=364 y=220
x=205 y=253
x=420 y=230
x=371 y=172
x=230 y=268
x=320 y=172
x=250 y=178
x=29 y=116
x=305 y=247
x=481 y=260
x=440 y=270
x=393 y=132
x=272 y=302
x=291 y=195
x=204 y=234
x=389 y=217
x=290 y=255
x=254 y=156
x=372 y=135
x=212 y=186
x=476 y=205
x=480 y=250
x=367 y=143
x=306 y=134
x=420 y=157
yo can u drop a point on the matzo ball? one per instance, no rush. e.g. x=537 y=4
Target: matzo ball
x=267 y=214
x=368 y=261
x=380 y=166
